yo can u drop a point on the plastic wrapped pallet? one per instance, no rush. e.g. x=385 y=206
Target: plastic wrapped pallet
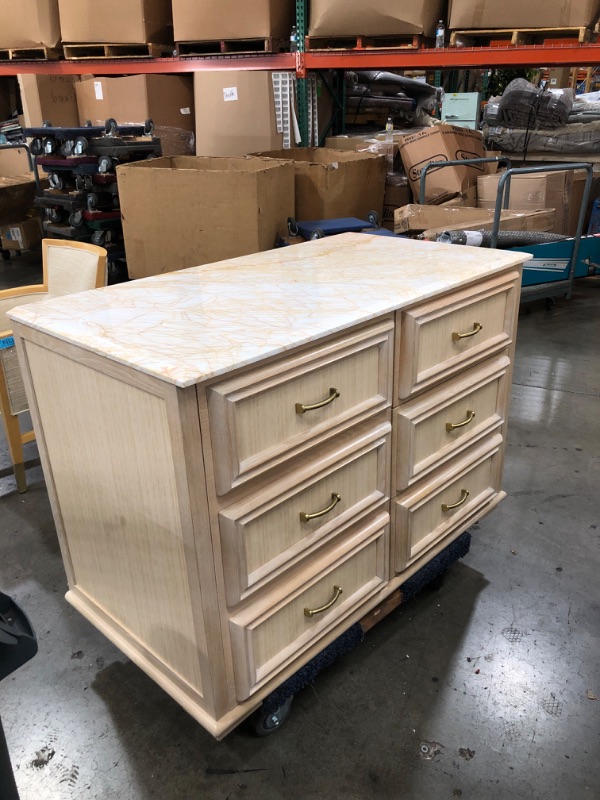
x=524 y=105
x=578 y=139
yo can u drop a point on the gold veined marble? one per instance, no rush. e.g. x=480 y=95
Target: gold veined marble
x=191 y=325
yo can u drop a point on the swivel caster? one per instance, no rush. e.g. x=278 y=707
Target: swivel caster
x=264 y=724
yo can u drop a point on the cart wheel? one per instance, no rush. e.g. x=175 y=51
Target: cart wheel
x=76 y=218
x=292 y=226
x=92 y=201
x=550 y=303
x=55 y=181
x=317 y=234
x=111 y=127
x=148 y=127
x=264 y=724
x=48 y=146
x=98 y=237
x=66 y=147
x=81 y=145
x=37 y=147
x=104 y=164
x=373 y=218
x=53 y=214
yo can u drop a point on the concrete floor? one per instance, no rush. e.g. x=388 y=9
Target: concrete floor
x=497 y=672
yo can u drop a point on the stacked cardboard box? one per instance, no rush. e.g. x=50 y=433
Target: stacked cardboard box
x=29 y=23
x=49 y=98
x=338 y=18
x=467 y=14
x=116 y=21
x=205 y=20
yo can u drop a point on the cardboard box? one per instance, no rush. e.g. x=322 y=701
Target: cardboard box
x=397 y=194
x=528 y=192
x=116 y=21
x=575 y=200
x=197 y=20
x=184 y=211
x=413 y=219
x=442 y=143
x=22 y=235
x=376 y=18
x=17 y=194
x=49 y=97
x=29 y=23
x=513 y=14
x=14 y=162
x=9 y=92
x=166 y=99
x=235 y=113
x=559 y=78
x=335 y=183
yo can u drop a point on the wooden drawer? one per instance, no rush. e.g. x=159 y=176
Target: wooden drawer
x=268 y=532
x=260 y=419
x=268 y=636
x=424 y=515
x=447 y=335
x=443 y=422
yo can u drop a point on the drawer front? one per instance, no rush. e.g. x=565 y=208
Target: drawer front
x=284 y=628
x=426 y=514
x=262 y=418
x=269 y=532
x=442 y=423
x=447 y=335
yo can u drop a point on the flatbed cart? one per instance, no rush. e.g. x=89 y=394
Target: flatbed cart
x=550 y=272
x=319 y=228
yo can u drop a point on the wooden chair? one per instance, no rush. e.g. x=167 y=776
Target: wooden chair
x=69 y=267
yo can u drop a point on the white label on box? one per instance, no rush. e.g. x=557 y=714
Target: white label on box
x=14 y=234
x=98 y=90
x=184 y=111
x=230 y=94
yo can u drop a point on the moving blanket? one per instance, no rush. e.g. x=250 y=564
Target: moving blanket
x=524 y=105
x=579 y=139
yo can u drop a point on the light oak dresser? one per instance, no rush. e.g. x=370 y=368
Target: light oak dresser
x=245 y=458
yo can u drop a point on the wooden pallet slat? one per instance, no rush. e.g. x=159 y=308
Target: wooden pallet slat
x=40 y=53
x=206 y=47
x=78 y=51
x=411 y=41
x=491 y=37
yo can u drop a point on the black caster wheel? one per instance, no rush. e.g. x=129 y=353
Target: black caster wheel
x=81 y=145
x=48 y=146
x=76 y=219
x=317 y=234
x=92 y=201
x=55 y=181
x=292 y=226
x=104 y=164
x=373 y=218
x=98 y=237
x=36 y=147
x=264 y=724
x=148 y=127
x=111 y=127
x=550 y=303
x=67 y=147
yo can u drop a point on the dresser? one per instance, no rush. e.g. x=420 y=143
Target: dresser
x=246 y=458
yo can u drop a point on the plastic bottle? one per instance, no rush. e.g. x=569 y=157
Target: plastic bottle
x=294 y=40
x=440 y=34
x=389 y=144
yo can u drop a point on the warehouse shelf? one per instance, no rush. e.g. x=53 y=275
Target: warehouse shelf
x=555 y=55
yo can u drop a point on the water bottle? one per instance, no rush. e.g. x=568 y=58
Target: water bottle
x=389 y=144
x=294 y=40
x=440 y=33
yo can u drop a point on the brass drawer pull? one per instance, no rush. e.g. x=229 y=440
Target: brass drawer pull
x=450 y=426
x=335 y=499
x=301 y=408
x=463 y=499
x=456 y=337
x=310 y=612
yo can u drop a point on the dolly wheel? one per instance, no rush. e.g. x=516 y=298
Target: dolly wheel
x=76 y=218
x=265 y=724
x=37 y=147
x=104 y=164
x=317 y=234
x=111 y=127
x=292 y=226
x=148 y=127
x=80 y=146
x=373 y=218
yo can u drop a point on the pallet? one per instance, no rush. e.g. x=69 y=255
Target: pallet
x=30 y=53
x=400 y=42
x=81 y=51
x=222 y=46
x=500 y=37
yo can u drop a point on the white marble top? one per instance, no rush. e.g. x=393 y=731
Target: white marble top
x=193 y=324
